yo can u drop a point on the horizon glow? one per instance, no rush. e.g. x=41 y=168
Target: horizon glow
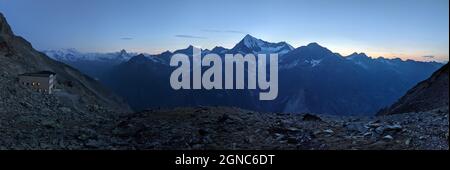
x=413 y=29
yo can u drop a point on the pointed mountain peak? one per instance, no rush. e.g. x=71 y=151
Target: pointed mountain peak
x=314 y=45
x=363 y=54
x=166 y=52
x=249 y=37
x=289 y=46
x=251 y=41
x=381 y=58
x=187 y=50
x=218 y=49
x=124 y=55
x=250 y=44
x=5 y=29
x=184 y=50
x=313 y=51
x=358 y=57
x=139 y=58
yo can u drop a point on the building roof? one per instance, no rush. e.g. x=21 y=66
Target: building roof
x=39 y=74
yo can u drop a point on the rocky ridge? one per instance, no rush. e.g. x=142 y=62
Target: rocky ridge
x=427 y=95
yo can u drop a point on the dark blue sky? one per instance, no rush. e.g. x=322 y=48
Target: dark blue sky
x=403 y=28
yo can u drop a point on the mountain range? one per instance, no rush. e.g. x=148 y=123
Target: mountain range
x=311 y=79
x=82 y=114
x=92 y=64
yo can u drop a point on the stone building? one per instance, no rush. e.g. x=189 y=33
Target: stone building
x=43 y=81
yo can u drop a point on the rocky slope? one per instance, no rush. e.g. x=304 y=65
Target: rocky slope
x=427 y=95
x=30 y=120
x=233 y=128
x=18 y=56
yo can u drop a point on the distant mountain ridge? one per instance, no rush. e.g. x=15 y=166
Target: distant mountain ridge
x=92 y=64
x=311 y=79
x=72 y=54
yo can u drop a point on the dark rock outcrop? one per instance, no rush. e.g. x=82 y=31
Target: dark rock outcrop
x=427 y=95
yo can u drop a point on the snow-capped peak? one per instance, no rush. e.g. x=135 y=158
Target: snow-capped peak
x=66 y=54
x=250 y=44
x=69 y=55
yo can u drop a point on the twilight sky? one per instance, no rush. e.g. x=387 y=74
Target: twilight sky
x=414 y=29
